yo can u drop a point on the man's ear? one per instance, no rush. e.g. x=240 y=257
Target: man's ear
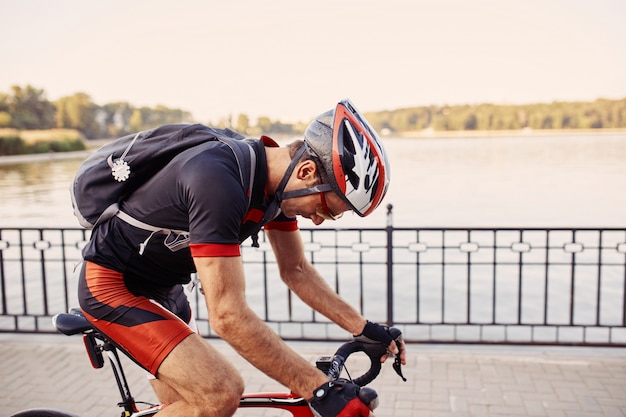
x=307 y=171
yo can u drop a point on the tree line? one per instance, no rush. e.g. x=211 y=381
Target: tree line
x=601 y=113
x=27 y=108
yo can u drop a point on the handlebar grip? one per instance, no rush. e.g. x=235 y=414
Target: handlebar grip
x=373 y=350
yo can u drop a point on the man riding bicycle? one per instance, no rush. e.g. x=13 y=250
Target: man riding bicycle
x=135 y=296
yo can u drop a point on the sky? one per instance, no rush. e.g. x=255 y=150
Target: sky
x=291 y=60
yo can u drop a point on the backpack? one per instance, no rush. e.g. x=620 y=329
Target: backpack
x=117 y=169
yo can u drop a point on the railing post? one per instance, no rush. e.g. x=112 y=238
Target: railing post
x=389 y=265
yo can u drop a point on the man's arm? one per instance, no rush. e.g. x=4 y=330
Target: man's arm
x=303 y=279
x=223 y=283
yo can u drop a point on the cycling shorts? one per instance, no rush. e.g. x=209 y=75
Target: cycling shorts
x=146 y=327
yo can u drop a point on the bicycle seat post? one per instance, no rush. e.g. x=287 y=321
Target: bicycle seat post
x=128 y=402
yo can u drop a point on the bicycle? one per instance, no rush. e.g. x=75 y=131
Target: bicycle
x=96 y=344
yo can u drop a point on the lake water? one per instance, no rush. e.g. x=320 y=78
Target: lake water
x=517 y=181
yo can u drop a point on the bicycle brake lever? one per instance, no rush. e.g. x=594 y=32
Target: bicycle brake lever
x=397 y=363
x=397 y=366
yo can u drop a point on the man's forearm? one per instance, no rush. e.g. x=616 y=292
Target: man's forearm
x=259 y=345
x=223 y=283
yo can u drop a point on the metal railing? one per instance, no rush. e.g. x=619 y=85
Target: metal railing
x=455 y=285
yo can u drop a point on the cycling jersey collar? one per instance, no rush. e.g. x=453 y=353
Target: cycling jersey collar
x=269 y=142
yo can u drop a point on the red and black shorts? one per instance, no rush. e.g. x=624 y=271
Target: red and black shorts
x=146 y=326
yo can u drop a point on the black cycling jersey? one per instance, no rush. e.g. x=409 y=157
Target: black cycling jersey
x=199 y=191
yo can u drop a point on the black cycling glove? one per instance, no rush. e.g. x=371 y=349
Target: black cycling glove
x=341 y=398
x=376 y=333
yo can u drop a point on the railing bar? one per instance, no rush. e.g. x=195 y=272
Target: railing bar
x=3 y=287
x=66 y=290
x=624 y=291
x=529 y=263
x=44 y=280
x=289 y=304
x=417 y=279
x=443 y=275
x=572 y=283
x=361 y=303
x=399 y=229
x=520 y=273
x=469 y=283
x=390 y=277
x=546 y=284
x=599 y=280
x=23 y=270
x=494 y=274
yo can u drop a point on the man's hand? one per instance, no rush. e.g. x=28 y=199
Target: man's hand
x=341 y=398
x=374 y=332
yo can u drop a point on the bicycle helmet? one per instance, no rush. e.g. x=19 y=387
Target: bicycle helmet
x=352 y=155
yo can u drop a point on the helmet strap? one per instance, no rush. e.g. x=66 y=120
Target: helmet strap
x=280 y=195
x=320 y=188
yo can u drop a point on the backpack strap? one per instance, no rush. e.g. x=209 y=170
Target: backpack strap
x=175 y=240
x=236 y=146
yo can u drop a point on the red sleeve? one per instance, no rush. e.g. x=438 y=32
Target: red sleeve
x=203 y=250
x=285 y=226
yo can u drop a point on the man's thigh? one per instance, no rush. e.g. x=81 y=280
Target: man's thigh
x=200 y=373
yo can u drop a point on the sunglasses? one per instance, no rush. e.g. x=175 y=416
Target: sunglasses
x=324 y=212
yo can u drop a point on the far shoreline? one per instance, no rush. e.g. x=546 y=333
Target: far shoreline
x=420 y=134
x=43 y=157
x=429 y=133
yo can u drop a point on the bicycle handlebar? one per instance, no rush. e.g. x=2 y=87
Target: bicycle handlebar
x=373 y=350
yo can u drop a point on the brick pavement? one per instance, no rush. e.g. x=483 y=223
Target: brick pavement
x=443 y=380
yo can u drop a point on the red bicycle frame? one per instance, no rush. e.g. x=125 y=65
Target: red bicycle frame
x=281 y=400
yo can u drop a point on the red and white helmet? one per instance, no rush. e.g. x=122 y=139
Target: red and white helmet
x=352 y=155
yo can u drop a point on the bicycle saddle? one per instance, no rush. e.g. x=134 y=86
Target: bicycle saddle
x=71 y=323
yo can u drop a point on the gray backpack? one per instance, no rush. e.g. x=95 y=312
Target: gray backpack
x=117 y=169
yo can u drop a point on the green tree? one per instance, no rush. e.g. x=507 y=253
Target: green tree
x=79 y=112
x=243 y=123
x=136 y=121
x=264 y=124
x=5 y=116
x=29 y=108
x=161 y=115
x=5 y=119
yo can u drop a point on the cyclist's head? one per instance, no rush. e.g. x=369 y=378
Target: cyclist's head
x=351 y=156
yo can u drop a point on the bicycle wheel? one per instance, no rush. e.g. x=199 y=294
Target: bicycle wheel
x=43 y=412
